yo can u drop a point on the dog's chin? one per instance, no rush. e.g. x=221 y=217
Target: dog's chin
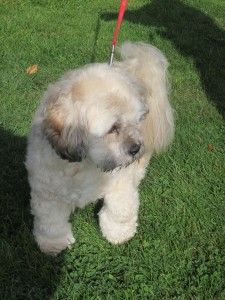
x=109 y=165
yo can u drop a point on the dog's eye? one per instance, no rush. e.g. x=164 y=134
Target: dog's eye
x=143 y=116
x=114 y=129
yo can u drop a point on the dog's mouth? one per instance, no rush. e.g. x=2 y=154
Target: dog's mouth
x=107 y=168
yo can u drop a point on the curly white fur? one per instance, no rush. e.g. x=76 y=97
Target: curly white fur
x=92 y=137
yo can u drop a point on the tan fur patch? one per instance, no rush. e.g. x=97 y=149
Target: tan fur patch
x=77 y=92
x=146 y=130
x=55 y=119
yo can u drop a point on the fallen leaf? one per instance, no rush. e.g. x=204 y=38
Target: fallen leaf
x=32 y=69
x=211 y=147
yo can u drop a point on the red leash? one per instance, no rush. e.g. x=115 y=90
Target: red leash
x=123 y=4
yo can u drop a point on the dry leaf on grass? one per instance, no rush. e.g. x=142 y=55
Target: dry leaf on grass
x=211 y=147
x=32 y=69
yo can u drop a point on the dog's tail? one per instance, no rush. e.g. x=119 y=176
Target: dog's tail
x=149 y=66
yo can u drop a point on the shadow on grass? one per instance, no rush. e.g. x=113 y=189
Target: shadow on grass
x=194 y=35
x=25 y=273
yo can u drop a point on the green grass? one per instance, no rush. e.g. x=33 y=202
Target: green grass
x=178 y=252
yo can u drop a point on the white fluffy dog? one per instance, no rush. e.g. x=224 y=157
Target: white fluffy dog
x=92 y=137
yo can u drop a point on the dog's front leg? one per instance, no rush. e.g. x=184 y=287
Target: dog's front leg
x=52 y=230
x=118 y=217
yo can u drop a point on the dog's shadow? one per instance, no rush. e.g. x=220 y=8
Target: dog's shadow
x=26 y=273
x=194 y=34
x=97 y=207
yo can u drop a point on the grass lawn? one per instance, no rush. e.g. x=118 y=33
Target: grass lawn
x=178 y=252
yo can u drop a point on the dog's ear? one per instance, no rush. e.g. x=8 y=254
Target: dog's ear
x=62 y=128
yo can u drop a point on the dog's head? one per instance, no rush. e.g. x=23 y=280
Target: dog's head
x=96 y=113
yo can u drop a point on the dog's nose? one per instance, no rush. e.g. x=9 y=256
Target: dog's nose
x=134 y=149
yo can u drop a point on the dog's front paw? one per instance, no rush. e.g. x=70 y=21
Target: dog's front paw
x=116 y=232
x=54 y=246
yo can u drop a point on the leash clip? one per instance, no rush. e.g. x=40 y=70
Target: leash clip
x=112 y=56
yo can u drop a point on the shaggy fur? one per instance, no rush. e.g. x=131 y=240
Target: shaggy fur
x=92 y=137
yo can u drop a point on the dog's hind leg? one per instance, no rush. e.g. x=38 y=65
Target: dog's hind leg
x=52 y=230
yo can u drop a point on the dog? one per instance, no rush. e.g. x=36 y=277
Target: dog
x=92 y=137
